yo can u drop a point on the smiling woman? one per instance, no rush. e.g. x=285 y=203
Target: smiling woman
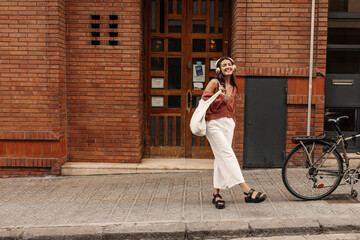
x=220 y=127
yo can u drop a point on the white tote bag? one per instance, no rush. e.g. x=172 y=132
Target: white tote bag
x=197 y=122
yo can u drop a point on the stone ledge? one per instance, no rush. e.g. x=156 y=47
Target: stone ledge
x=147 y=165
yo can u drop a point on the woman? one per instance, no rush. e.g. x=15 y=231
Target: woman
x=220 y=124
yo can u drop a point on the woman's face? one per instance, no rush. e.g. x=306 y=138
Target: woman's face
x=226 y=67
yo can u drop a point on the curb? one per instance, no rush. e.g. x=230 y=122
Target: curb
x=185 y=230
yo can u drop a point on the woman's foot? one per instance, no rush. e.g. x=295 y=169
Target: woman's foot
x=218 y=201
x=254 y=197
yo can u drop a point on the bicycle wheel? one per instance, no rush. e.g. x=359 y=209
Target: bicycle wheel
x=315 y=177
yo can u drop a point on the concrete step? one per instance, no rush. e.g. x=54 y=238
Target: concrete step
x=147 y=165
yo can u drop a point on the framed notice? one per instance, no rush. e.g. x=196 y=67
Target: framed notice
x=198 y=73
x=198 y=85
x=213 y=64
x=157 y=82
x=157 y=101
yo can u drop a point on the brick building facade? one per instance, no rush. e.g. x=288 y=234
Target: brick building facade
x=75 y=75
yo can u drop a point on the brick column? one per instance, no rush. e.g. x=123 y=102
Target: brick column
x=105 y=80
x=33 y=91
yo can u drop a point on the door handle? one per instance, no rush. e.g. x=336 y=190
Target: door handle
x=188 y=100
x=189 y=65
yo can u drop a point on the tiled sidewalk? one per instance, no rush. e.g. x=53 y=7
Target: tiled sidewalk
x=174 y=202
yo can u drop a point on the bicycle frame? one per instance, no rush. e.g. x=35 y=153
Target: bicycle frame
x=329 y=151
x=344 y=150
x=340 y=141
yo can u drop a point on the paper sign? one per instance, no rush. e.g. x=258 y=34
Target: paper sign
x=213 y=64
x=157 y=101
x=198 y=85
x=198 y=73
x=157 y=82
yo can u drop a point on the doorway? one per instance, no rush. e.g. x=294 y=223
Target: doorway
x=183 y=41
x=265 y=122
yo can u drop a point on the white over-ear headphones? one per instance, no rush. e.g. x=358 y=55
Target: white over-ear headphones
x=217 y=70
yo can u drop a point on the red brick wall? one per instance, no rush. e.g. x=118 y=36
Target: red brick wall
x=298 y=107
x=105 y=82
x=63 y=98
x=32 y=87
x=272 y=38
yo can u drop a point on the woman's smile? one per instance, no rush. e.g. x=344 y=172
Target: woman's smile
x=227 y=67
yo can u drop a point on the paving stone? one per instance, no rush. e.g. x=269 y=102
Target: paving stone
x=343 y=236
x=341 y=223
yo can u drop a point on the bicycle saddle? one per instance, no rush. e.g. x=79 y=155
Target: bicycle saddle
x=338 y=120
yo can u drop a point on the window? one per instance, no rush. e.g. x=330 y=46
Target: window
x=348 y=125
x=343 y=49
x=344 y=6
x=343 y=61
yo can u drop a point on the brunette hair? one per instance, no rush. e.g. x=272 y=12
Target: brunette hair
x=220 y=75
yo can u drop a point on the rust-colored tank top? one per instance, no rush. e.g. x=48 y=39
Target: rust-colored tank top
x=219 y=108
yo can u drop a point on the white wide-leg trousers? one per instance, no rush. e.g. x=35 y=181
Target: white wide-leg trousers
x=227 y=172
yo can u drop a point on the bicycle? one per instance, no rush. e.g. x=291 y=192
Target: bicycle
x=315 y=167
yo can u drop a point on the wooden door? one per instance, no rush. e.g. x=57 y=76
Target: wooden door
x=183 y=41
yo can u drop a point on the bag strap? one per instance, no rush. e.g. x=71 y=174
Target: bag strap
x=218 y=87
x=213 y=97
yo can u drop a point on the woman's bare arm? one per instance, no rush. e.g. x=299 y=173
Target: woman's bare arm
x=212 y=85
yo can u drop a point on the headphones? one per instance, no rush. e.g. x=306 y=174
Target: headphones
x=217 y=70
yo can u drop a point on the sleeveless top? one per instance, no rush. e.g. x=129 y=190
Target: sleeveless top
x=219 y=108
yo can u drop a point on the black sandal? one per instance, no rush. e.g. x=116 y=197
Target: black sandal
x=257 y=199
x=219 y=204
